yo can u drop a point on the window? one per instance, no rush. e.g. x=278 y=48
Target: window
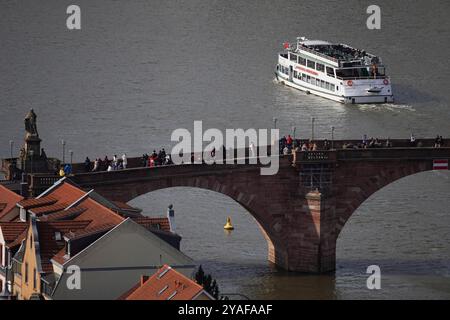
x=311 y=64
x=327 y=85
x=330 y=72
x=34 y=278
x=304 y=77
x=320 y=67
x=26 y=272
x=308 y=78
x=322 y=83
x=332 y=87
x=293 y=57
x=302 y=61
x=295 y=74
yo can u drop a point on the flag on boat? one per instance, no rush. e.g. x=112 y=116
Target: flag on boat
x=286 y=45
x=440 y=164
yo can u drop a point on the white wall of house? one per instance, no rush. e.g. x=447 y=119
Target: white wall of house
x=3 y=263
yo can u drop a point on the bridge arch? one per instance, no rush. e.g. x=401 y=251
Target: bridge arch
x=405 y=237
x=369 y=180
x=211 y=217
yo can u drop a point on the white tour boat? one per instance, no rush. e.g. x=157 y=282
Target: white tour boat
x=334 y=71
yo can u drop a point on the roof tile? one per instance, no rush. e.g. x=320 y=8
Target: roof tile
x=12 y=230
x=165 y=284
x=161 y=223
x=8 y=200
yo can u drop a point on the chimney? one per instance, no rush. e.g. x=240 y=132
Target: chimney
x=171 y=217
x=144 y=279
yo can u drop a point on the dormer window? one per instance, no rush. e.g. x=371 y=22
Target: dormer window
x=58 y=236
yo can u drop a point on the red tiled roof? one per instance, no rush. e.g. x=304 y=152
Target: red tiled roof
x=90 y=231
x=67 y=193
x=98 y=214
x=161 y=223
x=124 y=206
x=8 y=200
x=63 y=214
x=165 y=284
x=48 y=245
x=49 y=209
x=37 y=202
x=13 y=230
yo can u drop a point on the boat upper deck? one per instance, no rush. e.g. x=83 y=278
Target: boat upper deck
x=342 y=54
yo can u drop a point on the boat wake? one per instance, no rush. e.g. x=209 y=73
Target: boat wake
x=386 y=106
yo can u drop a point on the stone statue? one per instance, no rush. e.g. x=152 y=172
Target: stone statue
x=30 y=124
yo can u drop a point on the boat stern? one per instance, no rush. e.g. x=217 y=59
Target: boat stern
x=367 y=91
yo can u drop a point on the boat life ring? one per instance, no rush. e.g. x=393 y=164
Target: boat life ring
x=350 y=83
x=386 y=81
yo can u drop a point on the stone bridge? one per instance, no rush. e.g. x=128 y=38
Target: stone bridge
x=301 y=210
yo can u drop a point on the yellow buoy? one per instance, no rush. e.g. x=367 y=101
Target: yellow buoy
x=228 y=225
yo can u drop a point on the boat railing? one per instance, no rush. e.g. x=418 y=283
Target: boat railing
x=362 y=78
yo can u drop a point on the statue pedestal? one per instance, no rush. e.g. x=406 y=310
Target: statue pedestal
x=32 y=146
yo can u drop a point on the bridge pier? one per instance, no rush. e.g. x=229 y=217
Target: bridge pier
x=310 y=242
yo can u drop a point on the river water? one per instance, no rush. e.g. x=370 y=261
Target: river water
x=140 y=69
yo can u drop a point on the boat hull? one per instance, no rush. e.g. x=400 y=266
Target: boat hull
x=366 y=99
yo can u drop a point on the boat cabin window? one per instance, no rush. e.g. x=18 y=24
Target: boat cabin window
x=320 y=67
x=302 y=61
x=293 y=57
x=311 y=64
x=361 y=72
x=352 y=73
x=330 y=72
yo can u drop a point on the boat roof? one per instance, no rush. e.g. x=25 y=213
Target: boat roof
x=336 y=52
x=315 y=43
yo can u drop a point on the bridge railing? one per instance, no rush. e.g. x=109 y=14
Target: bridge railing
x=368 y=154
x=393 y=153
x=314 y=156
